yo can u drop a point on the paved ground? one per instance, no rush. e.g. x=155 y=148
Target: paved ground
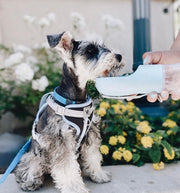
x=125 y=179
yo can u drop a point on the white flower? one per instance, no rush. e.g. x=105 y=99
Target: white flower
x=44 y=45
x=40 y=84
x=29 y=19
x=44 y=22
x=78 y=21
x=24 y=72
x=51 y=17
x=13 y=59
x=22 y=48
x=111 y=22
x=31 y=60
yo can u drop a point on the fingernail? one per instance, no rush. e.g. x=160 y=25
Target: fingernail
x=153 y=96
x=145 y=61
x=163 y=94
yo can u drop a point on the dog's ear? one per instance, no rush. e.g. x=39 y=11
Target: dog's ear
x=61 y=41
x=66 y=41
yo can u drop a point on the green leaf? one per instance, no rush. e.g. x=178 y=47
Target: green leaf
x=155 y=154
x=140 y=163
x=166 y=145
x=160 y=132
x=132 y=125
x=109 y=129
x=136 y=157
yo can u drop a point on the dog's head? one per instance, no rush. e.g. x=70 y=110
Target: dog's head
x=87 y=60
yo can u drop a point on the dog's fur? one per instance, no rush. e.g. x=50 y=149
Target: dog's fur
x=55 y=151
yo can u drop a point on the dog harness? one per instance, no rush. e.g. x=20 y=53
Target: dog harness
x=79 y=116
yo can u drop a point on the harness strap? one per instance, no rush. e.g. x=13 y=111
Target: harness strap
x=60 y=110
x=86 y=127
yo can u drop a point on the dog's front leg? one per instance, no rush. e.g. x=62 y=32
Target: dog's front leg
x=65 y=169
x=91 y=157
x=30 y=171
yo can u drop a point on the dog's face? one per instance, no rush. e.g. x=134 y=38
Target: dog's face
x=88 y=60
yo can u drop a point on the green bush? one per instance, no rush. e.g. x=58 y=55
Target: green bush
x=130 y=137
x=20 y=91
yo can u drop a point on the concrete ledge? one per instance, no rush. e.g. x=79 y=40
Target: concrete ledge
x=125 y=179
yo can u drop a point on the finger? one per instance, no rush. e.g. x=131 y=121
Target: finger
x=131 y=97
x=152 y=57
x=152 y=97
x=164 y=95
x=160 y=99
x=175 y=96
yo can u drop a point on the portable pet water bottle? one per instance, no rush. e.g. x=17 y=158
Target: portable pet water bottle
x=146 y=79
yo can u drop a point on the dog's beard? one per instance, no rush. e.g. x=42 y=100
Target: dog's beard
x=115 y=70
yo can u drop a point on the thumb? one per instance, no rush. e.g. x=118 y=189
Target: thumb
x=152 y=57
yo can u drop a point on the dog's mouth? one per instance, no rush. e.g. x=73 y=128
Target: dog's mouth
x=106 y=73
x=114 y=71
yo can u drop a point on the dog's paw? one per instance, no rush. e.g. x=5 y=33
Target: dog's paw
x=101 y=177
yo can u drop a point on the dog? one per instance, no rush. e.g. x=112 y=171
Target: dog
x=65 y=149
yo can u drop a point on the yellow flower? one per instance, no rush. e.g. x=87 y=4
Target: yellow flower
x=144 y=127
x=138 y=137
x=169 y=132
x=171 y=114
x=124 y=133
x=104 y=149
x=104 y=105
x=101 y=112
x=116 y=107
x=158 y=166
x=121 y=139
x=169 y=123
x=136 y=122
x=121 y=149
x=117 y=155
x=113 y=140
x=147 y=141
x=130 y=106
x=127 y=155
x=166 y=154
x=120 y=102
x=123 y=108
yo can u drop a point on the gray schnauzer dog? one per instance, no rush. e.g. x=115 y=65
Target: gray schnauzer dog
x=66 y=136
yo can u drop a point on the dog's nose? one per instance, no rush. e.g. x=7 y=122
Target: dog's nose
x=53 y=40
x=118 y=57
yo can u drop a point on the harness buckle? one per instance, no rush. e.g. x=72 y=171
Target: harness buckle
x=60 y=111
x=88 y=111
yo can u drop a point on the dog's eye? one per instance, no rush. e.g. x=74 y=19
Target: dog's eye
x=91 y=51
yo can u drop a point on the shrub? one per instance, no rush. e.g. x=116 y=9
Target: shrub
x=130 y=137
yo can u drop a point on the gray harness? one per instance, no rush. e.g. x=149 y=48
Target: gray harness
x=79 y=116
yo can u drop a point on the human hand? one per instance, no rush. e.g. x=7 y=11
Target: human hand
x=171 y=70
